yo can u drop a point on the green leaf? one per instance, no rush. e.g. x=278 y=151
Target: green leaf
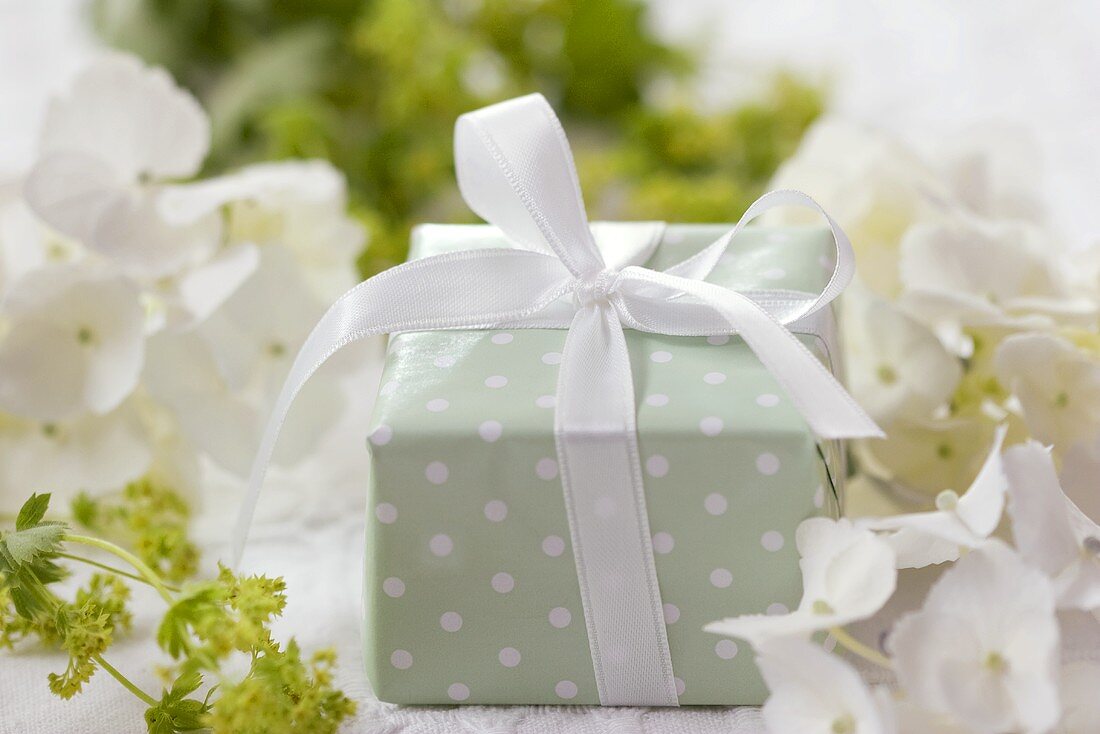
x=24 y=546
x=32 y=512
x=190 y=610
x=175 y=712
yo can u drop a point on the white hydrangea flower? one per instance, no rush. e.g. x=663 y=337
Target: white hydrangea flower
x=74 y=343
x=963 y=271
x=896 y=366
x=926 y=456
x=1049 y=530
x=875 y=188
x=221 y=378
x=848 y=573
x=25 y=243
x=924 y=538
x=192 y=295
x=104 y=148
x=1057 y=385
x=300 y=205
x=984 y=647
x=90 y=453
x=815 y=691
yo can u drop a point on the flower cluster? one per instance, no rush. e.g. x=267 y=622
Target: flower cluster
x=983 y=654
x=967 y=312
x=146 y=318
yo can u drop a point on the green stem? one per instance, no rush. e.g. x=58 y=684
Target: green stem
x=147 y=573
x=858 y=648
x=114 y=570
x=149 y=700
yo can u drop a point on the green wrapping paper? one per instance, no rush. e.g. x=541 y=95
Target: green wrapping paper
x=471 y=591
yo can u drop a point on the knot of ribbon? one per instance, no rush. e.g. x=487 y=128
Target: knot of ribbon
x=596 y=289
x=515 y=169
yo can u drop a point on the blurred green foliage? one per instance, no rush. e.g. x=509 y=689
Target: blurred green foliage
x=375 y=87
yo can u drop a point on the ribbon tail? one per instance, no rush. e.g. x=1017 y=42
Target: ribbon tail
x=827 y=407
x=474 y=289
x=601 y=475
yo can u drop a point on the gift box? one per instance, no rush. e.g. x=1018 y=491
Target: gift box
x=471 y=588
x=590 y=439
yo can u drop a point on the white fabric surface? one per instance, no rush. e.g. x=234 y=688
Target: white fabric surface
x=922 y=70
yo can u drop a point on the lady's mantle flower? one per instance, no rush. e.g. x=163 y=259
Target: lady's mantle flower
x=815 y=691
x=924 y=538
x=121 y=130
x=74 y=343
x=847 y=575
x=984 y=647
x=1050 y=532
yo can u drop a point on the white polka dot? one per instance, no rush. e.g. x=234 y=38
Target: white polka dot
x=680 y=687
x=775 y=273
x=389 y=388
x=560 y=617
x=553 y=546
x=386 y=513
x=767 y=400
x=714 y=378
x=546 y=468
x=772 y=540
x=721 y=578
x=718 y=339
x=458 y=691
x=605 y=507
x=726 y=649
x=394 y=587
x=438 y=405
x=657 y=401
x=566 y=689
x=401 y=659
x=502 y=338
x=496 y=381
x=819 y=497
x=716 y=504
x=441 y=545
x=672 y=613
x=656 y=466
x=546 y=401
x=509 y=657
x=777 y=608
x=661 y=356
x=502 y=582
x=767 y=464
x=444 y=361
x=381 y=435
x=711 y=425
x=496 y=511
x=551 y=358
x=490 y=430
x=437 y=472
x=451 y=621
x=663 y=543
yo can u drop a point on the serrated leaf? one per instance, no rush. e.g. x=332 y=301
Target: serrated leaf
x=32 y=511
x=24 y=546
x=172 y=634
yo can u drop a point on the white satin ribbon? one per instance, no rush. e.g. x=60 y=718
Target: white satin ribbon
x=515 y=169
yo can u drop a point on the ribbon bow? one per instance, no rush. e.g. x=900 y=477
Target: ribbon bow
x=515 y=170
